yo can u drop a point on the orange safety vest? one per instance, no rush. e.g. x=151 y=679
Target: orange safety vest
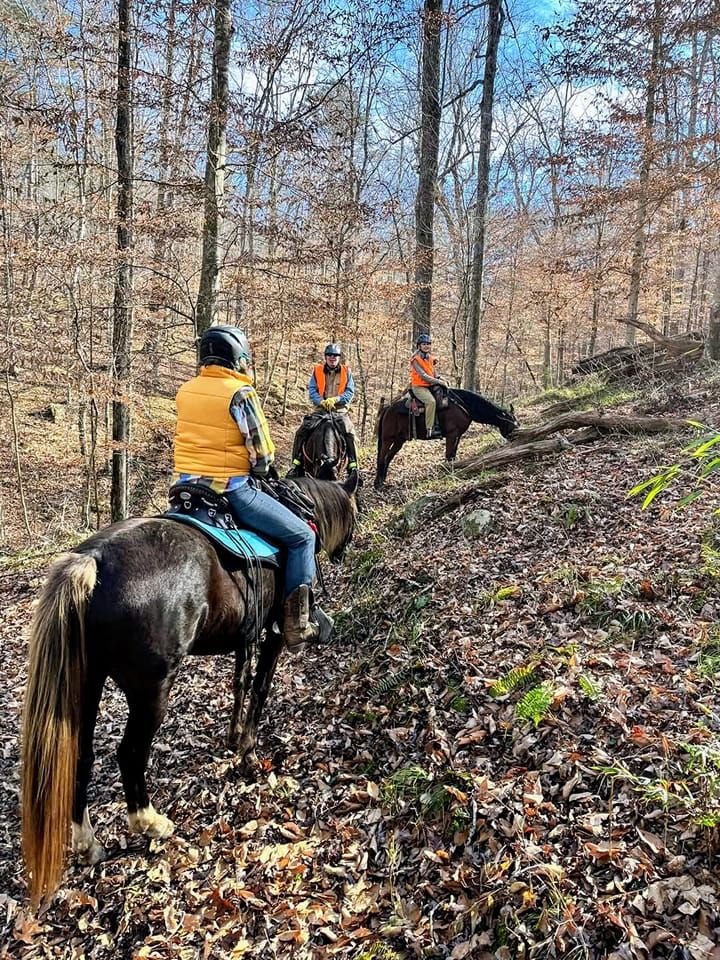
x=428 y=365
x=319 y=371
x=208 y=442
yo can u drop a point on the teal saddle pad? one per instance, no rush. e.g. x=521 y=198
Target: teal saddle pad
x=243 y=544
x=210 y=512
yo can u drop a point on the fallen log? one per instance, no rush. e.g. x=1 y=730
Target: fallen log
x=688 y=347
x=531 y=442
x=513 y=452
x=603 y=422
x=662 y=355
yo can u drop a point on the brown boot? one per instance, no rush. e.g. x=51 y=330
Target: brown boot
x=297 y=626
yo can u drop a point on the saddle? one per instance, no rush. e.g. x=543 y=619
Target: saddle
x=415 y=406
x=416 y=411
x=335 y=417
x=210 y=512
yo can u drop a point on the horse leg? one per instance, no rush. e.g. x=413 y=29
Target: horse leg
x=452 y=442
x=147 y=710
x=385 y=455
x=395 y=448
x=264 y=672
x=241 y=684
x=84 y=844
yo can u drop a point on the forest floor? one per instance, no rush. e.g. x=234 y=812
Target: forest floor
x=510 y=750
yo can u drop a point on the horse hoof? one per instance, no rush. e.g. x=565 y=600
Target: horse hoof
x=150 y=823
x=84 y=845
x=91 y=853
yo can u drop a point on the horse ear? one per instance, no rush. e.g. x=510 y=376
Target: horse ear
x=512 y=408
x=351 y=484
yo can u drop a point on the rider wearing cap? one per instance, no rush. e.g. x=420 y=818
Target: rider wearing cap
x=331 y=388
x=222 y=441
x=423 y=379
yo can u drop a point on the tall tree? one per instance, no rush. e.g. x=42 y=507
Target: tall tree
x=646 y=161
x=215 y=168
x=495 y=21
x=122 y=305
x=428 y=167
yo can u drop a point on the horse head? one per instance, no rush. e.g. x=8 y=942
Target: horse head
x=508 y=422
x=324 y=450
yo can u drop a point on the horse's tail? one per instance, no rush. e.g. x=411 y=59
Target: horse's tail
x=51 y=721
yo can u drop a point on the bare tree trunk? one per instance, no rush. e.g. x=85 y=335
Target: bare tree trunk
x=644 y=178
x=713 y=342
x=215 y=169
x=427 y=179
x=122 y=307
x=495 y=22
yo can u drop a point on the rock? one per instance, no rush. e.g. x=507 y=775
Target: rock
x=475 y=524
x=413 y=514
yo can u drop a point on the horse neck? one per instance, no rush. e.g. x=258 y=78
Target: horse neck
x=481 y=410
x=334 y=513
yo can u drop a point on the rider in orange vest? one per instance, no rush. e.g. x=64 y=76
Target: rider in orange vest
x=423 y=381
x=222 y=441
x=331 y=388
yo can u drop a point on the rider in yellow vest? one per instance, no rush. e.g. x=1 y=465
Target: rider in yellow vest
x=331 y=388
x=222 y=441
x=423 y=380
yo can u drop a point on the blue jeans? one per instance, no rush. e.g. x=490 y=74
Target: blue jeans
x=262 y=513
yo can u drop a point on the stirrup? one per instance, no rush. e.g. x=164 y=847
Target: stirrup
x=325 y=624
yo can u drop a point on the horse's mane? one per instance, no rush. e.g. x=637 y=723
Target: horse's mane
x=335 y=512
x=481 y=409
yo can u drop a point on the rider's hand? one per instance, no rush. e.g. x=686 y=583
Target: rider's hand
x=330 y=403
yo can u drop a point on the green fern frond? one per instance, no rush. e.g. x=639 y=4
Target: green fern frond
x=378 y=951
x=536 y=703
x=516 y=678
x=391 y=681
x=588 y=686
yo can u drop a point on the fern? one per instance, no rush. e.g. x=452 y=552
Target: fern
x=407 y=783
x=536 y=703
x=391 y=681
x=378 y=951
x=588 y=686
x=517 y=677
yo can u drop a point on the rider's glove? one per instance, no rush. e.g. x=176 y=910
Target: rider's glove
x=329 y=403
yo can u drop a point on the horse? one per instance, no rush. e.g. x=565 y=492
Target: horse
x=129 y=603
x=324 y=453
x=464 y=408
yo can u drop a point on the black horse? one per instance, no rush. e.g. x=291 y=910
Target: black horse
x=324 y=453
x=394 y=425
x=129 y=603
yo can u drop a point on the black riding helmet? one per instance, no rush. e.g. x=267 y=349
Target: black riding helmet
x=333 y=350
x=225 y=346
x=423 y=338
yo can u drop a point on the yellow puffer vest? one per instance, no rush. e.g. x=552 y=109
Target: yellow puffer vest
x=208 y=442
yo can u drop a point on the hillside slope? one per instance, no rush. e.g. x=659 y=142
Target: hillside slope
x=512 y=748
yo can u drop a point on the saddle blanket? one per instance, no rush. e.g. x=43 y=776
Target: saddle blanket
x=197 y=510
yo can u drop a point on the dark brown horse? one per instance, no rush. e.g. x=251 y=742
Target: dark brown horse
x=324 y=453
x=394 y=425
x=129 y=603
